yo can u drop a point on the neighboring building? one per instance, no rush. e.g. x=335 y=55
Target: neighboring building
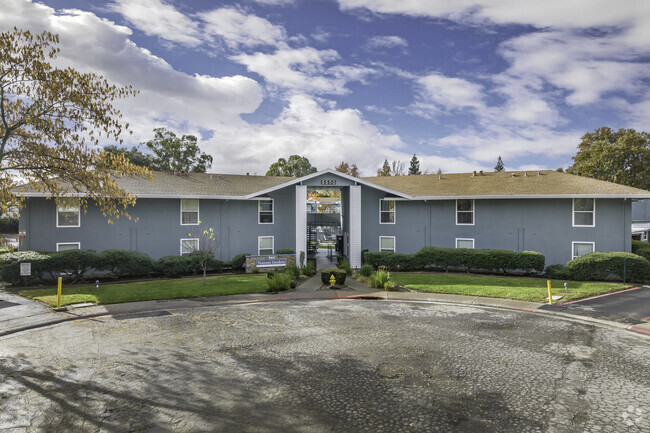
x=559 y=215
x=641 y=220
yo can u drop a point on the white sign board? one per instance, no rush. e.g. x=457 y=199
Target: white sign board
x=25 y=269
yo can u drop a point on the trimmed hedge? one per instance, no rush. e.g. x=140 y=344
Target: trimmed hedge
x=238 y=261
x=558 y=272
x=600 y=266
x=487 y=260
x=285 y=251
x=126 y=263
x=339 y=274
x=641 y=248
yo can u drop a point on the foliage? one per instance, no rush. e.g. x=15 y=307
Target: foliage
x=600 y=266
x=345 y=266
x=366 y=270
x=123 y=263
x=296 y=166
x=379 y=279
x=394 y=261
x=621 y=156
x=414 y=168
x=385 y=169
x=278 y=281
x=346 y=168
x=172 y=153
x=641 y=248
x=397 y=168
x=238 y=261
x=51 y=120
x=292 y=270
x=558 y=272
x=208 y=244
x=176 y=266
x=499 y=167
x=339 y=274
x=73 y=265
x=133 y=155
x=9 y=224
x=309 y=269
x=285 y=251
x=10 y=266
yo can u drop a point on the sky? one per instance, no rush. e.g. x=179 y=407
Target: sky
x=458 y=83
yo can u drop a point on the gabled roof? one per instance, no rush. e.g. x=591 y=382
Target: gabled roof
x=511 y=184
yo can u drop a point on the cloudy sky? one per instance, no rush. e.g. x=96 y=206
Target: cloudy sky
x=457 y=83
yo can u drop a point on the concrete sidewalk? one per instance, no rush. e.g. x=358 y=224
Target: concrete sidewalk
x=19 y=314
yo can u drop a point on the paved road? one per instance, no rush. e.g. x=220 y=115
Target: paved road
x=628 y=307
x=326 y=366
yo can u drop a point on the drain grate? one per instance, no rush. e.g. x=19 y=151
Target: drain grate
x=143 y=315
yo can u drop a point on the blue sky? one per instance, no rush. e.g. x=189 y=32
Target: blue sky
x=458 y=83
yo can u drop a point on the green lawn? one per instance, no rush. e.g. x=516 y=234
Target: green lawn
x=524 y=289
x=150 y=290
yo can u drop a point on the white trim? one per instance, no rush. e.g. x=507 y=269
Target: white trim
x=58 y=244
x=388 y=237
x=354 y=218
x=259 y=210
x=534 y=196
x=593 y=247
x=301 y=222
x=78 y=218
x=188 y=239
x=394 y=210
x=573 y=214
x=272 y=244
x=473 y=213
x=464 y=239
x=198 y=211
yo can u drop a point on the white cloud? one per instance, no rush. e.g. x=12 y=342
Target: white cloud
x=451 y=93
x=376 y=42
x=241 y=30
x=157 y=18
x=275 y=2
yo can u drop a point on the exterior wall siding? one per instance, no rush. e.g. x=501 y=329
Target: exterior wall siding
x=641 y=211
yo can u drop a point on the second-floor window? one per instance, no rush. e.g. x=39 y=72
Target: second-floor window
x=387 y=211
x=265 y=211
x=189 y=211
x=67 y=213
x=465 y=212
x=584 y=210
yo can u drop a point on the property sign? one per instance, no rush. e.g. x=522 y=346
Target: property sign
x=270 y=262
x=25 y=269
x=22 y=234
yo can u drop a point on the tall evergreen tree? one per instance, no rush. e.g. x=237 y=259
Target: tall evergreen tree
x=499 y=167
x=415 y=166
x=385 y=169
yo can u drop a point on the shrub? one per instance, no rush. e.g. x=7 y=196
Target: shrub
x=309 y=269
x=599 y=266
x=339 y=275
x=278 y=281
x=238 y=261
x=8 y=225
x=394 y=261
x=293 y=271
x=379 y=279
x=339 y=259
x=558 y=272
x=215 y=265
x=73 y=264
x=285 y=251
x=366 y=270
x=344 y=265
x=641 y=248
x=123 y=263
x=10 y=266
x=176 y=266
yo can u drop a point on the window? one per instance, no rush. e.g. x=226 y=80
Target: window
x=464 y=243
x=582 y=248
x=189 y=211
x=67 y=213
x=265 y=211
x=465 y=212
x=188 y=246
x=387 y=211
x=64 y=246
x=584 y=212
x=387 y=243
x=265 y=245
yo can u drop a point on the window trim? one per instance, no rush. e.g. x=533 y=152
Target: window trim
x=272 y=244
x=573 y=214
x=198 y=212
x=394 y=244
x=78 y=219
x=466 y=239
x=259 y=211
x=58 y=244
x=593 y=247
x=387 y=211
x=473 y=213
x=188 y=239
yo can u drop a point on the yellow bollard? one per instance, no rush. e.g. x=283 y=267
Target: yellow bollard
x=58 y=295
x=550 y=295
x=332 y=280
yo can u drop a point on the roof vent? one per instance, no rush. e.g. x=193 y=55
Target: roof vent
x=539 y=173
x=481 y=172
x=474 y=174
x=514 y=175
x=211 y=177
x=525 y=174
x=440 y=177
x=247 y=174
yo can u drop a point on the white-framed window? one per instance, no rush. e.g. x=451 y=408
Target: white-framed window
x=465 y=243
x=465 y=212
x=265 y=211
x=189 y=245
x=386 y=211
x=265 y=245
x=584 y=212
x=387 y=243
x=582 y=248
x=189 y=211
x=64 y=246
x=68 y=213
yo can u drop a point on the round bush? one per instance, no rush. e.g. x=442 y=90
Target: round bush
x=600 y=266
x=558 y=272
x=285 y=251
x=366 y=270
x=238 y=261
x=176 y=266
x=339 y=275
x=125 y=263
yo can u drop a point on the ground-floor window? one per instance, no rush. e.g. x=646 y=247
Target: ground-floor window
x=188 y=246
x=64 y=246
x=264 y=245
x=582 y=248
x=464 y=243
x=387 y=243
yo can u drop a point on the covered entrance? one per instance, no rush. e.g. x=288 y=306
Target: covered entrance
x=325 y=239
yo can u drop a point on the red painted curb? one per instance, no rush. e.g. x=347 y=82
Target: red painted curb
x=641 y=330
x=646 y=319
x=599 y=296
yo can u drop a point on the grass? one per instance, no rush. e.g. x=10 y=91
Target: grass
x=150 y=290
x=326 y=247
x=521 y=288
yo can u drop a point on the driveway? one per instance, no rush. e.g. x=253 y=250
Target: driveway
x=629 y=306
x=325 y=366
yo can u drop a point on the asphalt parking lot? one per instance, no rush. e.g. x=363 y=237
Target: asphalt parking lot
x=326 y=366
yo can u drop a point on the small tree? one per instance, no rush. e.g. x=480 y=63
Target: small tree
x=398 y=168
x=295 y=166
x=172 y=153
x=385 y=169
x=133 y=155
x=208 y=244
x=346 y=168
x=499 y=167
x=414 y=168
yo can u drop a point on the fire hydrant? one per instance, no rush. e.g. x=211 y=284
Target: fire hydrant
x=332 y=280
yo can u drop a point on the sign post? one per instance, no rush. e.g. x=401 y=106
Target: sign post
x=25 y=271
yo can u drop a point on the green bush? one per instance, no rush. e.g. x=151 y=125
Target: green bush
x=73 y=264
x=4 y=250
x=285 y=251
x=641 y=248
x=339 y=259
x=293 y=271
x=600 y=266
x=558 y=272
x=125 y=263
x=279 y=281
x=176 y=266
x=339 y=275
x=344 y=265
x=309 y=269
x=380 y=279
x=10 y=266
x=215 y=265
x=8 y=224
x=238 y=261
x=366 y=270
